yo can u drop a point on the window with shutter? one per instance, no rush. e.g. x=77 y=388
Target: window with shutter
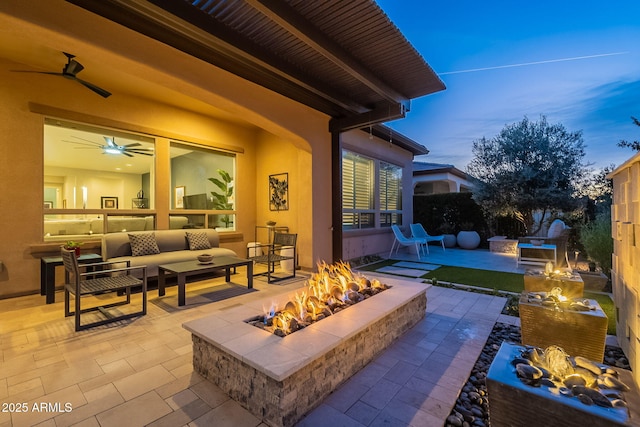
x=360 y=196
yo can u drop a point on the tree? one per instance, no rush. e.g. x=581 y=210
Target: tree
x=528 y=167
x=635 y=145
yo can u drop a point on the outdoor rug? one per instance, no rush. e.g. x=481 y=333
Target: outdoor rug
x=200 y=296
x=300 y=277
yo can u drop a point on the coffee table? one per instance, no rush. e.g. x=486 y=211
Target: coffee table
x=184 y=269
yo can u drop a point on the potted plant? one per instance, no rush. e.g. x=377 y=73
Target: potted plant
x=467 y=237
x=73 y=245
x=221 y=200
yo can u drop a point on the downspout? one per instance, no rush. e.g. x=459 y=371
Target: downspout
x=336 y=194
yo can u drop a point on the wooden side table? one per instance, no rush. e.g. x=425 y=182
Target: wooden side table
x=48 y=273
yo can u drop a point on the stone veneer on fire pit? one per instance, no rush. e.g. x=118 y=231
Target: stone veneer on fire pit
x=280 y=379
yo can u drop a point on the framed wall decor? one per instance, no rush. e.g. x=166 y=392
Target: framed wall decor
x=109 y=202
x=279 y=192
x=178 y=196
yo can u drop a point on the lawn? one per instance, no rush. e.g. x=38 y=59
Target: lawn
x=496 y=281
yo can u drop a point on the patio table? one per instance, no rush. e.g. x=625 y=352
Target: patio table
x=188 y=268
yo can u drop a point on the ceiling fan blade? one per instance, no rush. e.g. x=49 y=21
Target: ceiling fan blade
x=87 y=143
x=38 y=72
x=110 y=141
x=141 y=153
x=87 y=140
x=135 y=144
x=103 y=93
x=127 y=154
x=142 y=150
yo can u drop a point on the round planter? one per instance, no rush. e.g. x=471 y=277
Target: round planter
x=468 y=239
x=449 y=240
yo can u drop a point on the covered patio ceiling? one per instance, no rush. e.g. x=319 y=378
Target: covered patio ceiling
x=343 y=58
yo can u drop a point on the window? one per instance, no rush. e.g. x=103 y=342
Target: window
x=362 y=201
x=202 y=180
x=357 y=192
x=390 y=193
x=86 y=167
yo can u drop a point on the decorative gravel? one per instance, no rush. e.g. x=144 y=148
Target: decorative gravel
x=471 y=408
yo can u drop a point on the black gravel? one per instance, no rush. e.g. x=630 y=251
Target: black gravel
x=471 y=408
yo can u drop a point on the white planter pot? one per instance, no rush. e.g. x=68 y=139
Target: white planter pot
x=449 y=240
x=468 y=239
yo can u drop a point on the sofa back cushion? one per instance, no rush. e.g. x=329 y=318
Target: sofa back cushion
x=556 y=228
x=117 y=244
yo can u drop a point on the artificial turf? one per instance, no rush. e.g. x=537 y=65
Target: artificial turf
x=496 y=281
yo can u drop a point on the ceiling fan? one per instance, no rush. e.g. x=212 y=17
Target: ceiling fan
x=111 y=147
x=70 y=71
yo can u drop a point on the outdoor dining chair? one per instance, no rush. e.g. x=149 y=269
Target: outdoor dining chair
x=401 y=240
x=418 y=232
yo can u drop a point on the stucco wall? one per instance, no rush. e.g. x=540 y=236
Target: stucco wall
x=357 y=243
x=625 y=273
x=265 y=126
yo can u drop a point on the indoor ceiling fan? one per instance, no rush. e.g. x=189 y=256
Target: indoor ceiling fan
x=111 y=147
x=70 y=71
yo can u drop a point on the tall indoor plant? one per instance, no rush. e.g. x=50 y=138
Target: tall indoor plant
x=221 y=200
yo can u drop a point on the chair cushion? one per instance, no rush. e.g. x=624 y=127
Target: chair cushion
x=555 y=229
x=143 y=244
x=198 y=240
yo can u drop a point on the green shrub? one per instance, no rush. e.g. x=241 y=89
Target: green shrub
x=596 y=240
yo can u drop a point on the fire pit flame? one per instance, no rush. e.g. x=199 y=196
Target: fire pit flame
x=331 y=289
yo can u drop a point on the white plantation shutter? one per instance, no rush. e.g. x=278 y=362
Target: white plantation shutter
x=390 y=194
x=357 y=191
x=360 y=193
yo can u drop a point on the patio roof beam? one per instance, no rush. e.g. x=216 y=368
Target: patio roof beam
x=383 y=113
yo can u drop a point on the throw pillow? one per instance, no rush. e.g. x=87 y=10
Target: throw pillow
x=143 y=244
x=198 y=240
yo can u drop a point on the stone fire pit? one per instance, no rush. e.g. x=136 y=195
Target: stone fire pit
x=280 y=379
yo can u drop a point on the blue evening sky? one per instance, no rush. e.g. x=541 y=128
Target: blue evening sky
x=577 y=62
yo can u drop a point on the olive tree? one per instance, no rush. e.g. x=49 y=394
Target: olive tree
x=634 y=145
x=528 y=167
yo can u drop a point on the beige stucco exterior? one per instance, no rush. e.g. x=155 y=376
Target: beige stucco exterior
x=271 y=133
x=625 y=273
x=358 y=243
x=169 y=95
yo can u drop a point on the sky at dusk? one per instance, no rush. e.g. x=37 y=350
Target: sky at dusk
x=576 y=62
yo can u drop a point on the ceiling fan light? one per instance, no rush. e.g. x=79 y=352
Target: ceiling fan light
x=112 y=151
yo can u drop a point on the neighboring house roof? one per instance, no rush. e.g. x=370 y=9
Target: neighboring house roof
x=423 y=168
x=343 y=58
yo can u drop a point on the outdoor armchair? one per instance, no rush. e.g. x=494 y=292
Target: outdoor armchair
x=282 y=249
x=418 y=232
x=94 y=283
x=558 y=235
x=401 y=240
